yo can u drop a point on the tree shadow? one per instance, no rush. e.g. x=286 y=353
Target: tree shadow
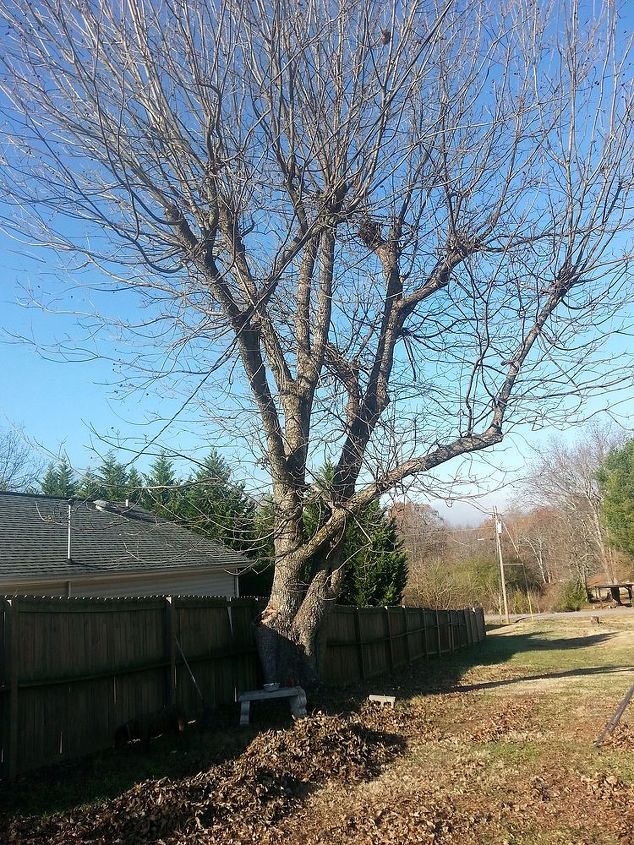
x=444 y=675
x=109 y=773
x=504 y=647
x=554 y=676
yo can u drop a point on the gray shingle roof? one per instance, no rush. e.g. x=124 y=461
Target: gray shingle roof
x=34 y=537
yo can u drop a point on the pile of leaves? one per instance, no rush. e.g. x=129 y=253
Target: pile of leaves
x=236 y=801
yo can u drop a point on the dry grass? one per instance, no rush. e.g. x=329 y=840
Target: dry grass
x=498 y=752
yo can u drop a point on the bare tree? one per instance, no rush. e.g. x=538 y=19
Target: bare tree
x=384 y=230
x=564 y=480
x=421 y=531
x=18 y=468
x=536 y=533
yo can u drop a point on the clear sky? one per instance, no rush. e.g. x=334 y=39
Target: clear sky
x=69 y=407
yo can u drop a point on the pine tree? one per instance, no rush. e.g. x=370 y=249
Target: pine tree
x=162 y=493
x=49 y=481
x=59 y=480
x=616 y=482
x=109 y=481
x=216 y=506
x=375 y=566
x=134 y=486
x=259 y=580
x=376 y=571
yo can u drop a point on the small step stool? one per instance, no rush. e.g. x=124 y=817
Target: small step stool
x=295 y=695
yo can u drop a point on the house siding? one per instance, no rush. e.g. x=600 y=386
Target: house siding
x=217 y=583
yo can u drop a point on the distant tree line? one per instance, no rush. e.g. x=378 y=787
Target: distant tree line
x=572 y=522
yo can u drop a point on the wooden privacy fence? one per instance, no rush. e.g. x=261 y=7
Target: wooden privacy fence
x=364 y=642
x=73 y=670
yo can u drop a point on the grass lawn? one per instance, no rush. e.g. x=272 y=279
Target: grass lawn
x=494 y=746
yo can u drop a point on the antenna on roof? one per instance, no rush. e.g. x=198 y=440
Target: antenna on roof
x=71 y=502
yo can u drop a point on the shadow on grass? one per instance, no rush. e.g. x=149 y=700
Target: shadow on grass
x=498 y=649
x=554 y=676
x=443 y=676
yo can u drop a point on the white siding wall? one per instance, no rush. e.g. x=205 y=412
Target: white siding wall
x=199 y=583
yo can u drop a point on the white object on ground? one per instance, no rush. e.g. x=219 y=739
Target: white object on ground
x=296 y=696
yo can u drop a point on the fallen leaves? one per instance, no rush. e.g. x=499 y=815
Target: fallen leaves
x=233 y=802
x=622 y=738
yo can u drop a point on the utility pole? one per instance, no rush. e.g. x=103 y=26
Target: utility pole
x=498 y=546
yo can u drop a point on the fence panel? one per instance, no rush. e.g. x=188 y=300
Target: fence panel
x=397 y=621
x=342 y=660
x=374 y=643
x=416 y=634
x=204 y=639
x=73 y=670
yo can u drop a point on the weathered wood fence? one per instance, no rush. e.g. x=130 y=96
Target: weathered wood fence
x=73 y=670
x=364 y=642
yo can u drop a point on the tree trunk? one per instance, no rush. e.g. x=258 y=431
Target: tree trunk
x=291 y=631
x=289 y=654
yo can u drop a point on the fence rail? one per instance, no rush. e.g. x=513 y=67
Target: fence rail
x=73 y=670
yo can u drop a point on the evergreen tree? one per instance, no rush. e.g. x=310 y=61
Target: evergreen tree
x=59 y=480
x=616 y=481
x=162 y=494
x=259 y=580
x=89 y=487
x=216 y=506
x=49 y=481
x=109 y=481
x=134 y=486
x=376 y=568
x=376 y=571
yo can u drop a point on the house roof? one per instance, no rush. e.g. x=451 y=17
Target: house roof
x=119 y=539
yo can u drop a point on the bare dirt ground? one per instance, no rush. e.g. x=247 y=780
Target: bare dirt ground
x=495 y=747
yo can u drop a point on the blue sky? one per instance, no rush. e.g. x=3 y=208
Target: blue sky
x=68 y=407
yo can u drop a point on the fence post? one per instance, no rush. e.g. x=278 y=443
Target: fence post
x=438 y=643
x=406 y=635
x=357 y=631
x=170 y=650
x=424 y=612
x=13 y=658
x=388 y=634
